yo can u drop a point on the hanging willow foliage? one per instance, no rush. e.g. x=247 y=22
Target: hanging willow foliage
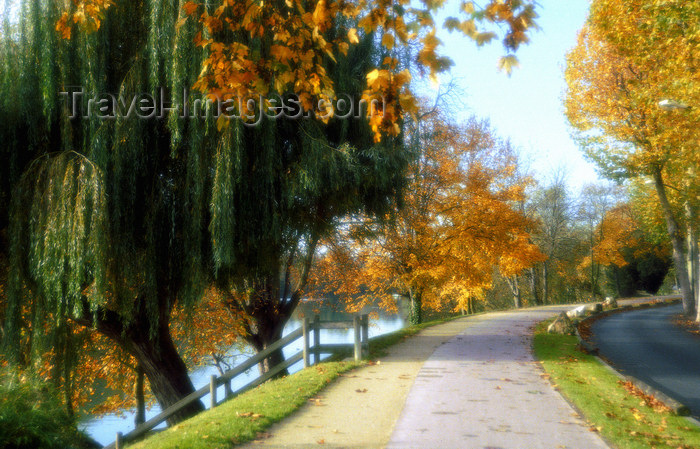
x=114 y=220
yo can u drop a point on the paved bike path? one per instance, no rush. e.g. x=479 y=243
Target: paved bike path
x=483 y=389
x=469 y=383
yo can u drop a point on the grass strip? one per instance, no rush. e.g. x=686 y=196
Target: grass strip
x=246 y=416
x=624 y=416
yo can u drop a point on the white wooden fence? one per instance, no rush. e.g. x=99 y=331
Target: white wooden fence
x=360 y=324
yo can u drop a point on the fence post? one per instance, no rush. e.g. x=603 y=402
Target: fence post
x=358 y=343
x=305 y=335
x=317 y=339
x=212 y=390
x=227 y=389
x=118 y=441
x=365 y=335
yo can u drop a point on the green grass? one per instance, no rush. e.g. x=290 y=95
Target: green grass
x=625 y=418
x=242 y=418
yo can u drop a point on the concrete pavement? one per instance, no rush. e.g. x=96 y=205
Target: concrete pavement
x=483 y=389
x=469 y=383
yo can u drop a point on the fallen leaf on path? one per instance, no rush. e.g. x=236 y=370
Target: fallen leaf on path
x=321 y=441
x=364 y=390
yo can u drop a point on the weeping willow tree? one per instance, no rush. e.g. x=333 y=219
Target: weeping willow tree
x=305 y=178
x=113 y=219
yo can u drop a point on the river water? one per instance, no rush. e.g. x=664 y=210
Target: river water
x=104 y=428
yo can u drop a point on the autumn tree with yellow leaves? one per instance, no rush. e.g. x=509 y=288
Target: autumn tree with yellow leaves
x=459 y=222
x=632 y=258
x=631 y=55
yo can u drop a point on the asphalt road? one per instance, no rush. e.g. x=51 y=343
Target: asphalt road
x=646 y=345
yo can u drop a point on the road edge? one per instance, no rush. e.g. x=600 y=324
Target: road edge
x=677 y=407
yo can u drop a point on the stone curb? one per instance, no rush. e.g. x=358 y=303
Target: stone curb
x=677 y=407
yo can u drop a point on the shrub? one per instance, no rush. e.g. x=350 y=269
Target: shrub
x=31 y=417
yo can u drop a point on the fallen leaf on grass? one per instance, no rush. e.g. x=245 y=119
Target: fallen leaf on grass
x=249 y=415
x=647 y=400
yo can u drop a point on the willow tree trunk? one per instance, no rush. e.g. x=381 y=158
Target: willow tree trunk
x=266 y=335
x=166 y=372
x=140 y=396
x=155 y=353
x=267 y=313
x=677 y=243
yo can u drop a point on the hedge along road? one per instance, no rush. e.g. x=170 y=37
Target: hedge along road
x=645 y=344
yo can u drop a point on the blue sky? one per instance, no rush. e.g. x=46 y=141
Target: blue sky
x=527 y=106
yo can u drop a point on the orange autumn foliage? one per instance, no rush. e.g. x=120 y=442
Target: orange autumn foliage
x=257 y=48
x=458 y=223
x=101 y=376
x=621 y=230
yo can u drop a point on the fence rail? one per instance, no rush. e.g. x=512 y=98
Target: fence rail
x=360 y=347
